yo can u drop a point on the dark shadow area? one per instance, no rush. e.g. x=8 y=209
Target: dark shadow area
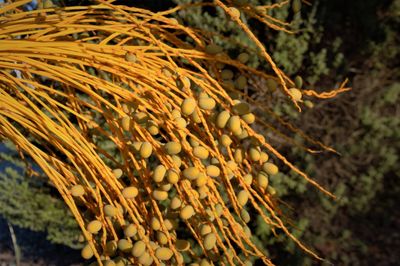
x=35 y=248
x=380 y=227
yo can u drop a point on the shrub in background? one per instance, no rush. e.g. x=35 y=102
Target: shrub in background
x=298 y=52
x=364 y=128
x=28 y=201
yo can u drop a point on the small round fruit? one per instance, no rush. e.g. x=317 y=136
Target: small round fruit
x=172 y=176
x=225 y=140
x=87 y=252
x=200 y=152
x=136 y=146
x=130 y=57
x=186 y=212
x=214 y=161
x=203 y=192
x=155 y=224
x=262 y=180
x=154 y=245
x=235 y=12
x=205 y=262
x=243 y=58
x=169 y=224
x=182 y=245
x=203 y=94
x=248 y=263
x=163 y=253
x=130 y=230
x=296 y=94
x=94 y=226
x=229 y=84
x=159 y=173
x=162 y=238
x=175 y=203
x=110 y=248
x=196 y=117
x=183 y=83
x=146 y=259
x=242 y=197
x=298 y=81
x=254 y=154
x=219 y=209
x=205 y=229
x=207 y=103
x=231 y=165
x=120 y=261
x=213 y=171
x=110 y=210
x=138 y=248
x=234 y=123
x=124 y=245
x=174 y=21
x=166 y=187
x=248 y=179
x=188 y=106
x=108 y=263
x=238 y=155
x=209 y=241
x=213 y=49
x=175 y=114
x=201 y=180
x=308 y=103
x=173 y=147
x=125 y=122
x=48 y=4
x=160 y=195
x=127 y=108
x=247 y=231
x=210 y=214
x=249 y=118
x=167 y=72
x=177 y=161
x=270 y=168
x=77 y=191
x=191 y=173
x=141 y=117
x=241 y=108
x=152 y=127
x=146 y=149
x=245 y=216
x=180 y=122
x=241 y=82
x=222 y=119
x=271 y=190
x=263 y=157
x=193 y=142
x=130 y=192
x=117 y=173
x=227 y=74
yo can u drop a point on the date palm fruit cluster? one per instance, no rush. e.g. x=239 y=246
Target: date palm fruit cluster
x=142 y=126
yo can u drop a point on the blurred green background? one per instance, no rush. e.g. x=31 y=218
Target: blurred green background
x=338 y=39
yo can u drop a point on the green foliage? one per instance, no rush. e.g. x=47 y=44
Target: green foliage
x=290 y=53
x=365 y=129
x=28 y=202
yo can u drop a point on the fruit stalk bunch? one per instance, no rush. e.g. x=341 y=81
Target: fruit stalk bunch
x=182 y=165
